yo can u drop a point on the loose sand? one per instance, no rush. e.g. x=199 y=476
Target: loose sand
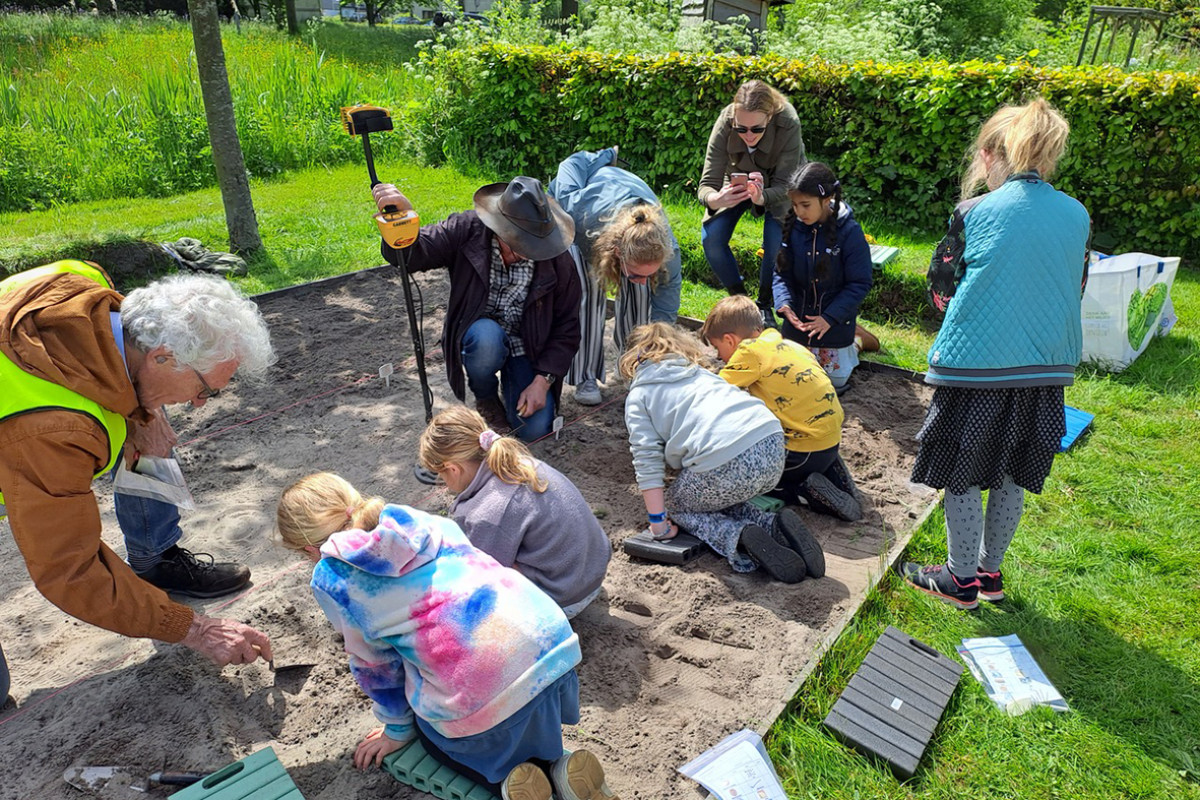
x=674 y=658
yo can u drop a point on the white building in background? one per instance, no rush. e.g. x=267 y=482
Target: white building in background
x=332 y=8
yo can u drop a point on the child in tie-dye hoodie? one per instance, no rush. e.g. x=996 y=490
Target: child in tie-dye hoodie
x=453 y=648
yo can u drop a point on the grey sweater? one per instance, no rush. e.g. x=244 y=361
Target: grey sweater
x=550 y=537
x=680 y=415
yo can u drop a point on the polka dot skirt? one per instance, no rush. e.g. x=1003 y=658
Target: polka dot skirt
x=974 y=437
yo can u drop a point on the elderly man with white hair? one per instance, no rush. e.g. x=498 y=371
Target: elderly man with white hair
x=85 y=373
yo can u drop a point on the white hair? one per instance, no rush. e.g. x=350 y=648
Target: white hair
x=203 y=320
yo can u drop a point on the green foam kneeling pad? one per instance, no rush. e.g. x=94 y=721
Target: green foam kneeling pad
x=413 y=766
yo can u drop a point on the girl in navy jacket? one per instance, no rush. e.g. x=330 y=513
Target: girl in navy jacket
x=823 y=271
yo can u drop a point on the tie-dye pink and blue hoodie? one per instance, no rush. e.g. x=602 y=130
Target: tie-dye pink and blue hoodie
x=436 y=626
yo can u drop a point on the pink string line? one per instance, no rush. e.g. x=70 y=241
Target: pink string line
x=116 y=662
x=277 y=411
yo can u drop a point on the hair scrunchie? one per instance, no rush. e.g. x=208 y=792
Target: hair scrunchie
x=488 y=438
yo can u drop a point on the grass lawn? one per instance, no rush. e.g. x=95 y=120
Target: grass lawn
x=1102 y=574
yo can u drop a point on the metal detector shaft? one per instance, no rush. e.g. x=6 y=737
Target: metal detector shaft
x=370 y=160
x=415 y=329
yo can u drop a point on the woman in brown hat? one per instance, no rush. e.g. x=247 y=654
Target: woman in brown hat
x=512 y=320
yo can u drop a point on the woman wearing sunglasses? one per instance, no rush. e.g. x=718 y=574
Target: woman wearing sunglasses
x=754 y=146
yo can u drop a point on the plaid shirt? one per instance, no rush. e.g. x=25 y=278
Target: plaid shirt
x=507 y=289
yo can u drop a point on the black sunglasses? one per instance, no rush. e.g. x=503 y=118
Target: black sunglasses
x=753 y=129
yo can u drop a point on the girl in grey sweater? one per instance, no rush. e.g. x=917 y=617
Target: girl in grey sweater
x=520 y=511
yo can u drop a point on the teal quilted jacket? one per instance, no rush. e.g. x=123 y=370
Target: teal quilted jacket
x=1014 y=316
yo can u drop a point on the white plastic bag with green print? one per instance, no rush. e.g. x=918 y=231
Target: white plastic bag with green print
x=1124 y=305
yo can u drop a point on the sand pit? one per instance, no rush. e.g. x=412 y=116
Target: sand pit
x=674 y=657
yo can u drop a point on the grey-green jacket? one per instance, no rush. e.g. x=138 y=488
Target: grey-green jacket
x=779 y=152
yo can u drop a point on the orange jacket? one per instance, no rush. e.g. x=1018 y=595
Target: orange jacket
x=58 y=328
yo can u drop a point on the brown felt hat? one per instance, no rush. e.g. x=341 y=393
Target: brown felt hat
x=525 y=218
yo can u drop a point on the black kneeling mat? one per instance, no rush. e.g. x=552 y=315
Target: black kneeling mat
x=680 y=549
x=893 y=702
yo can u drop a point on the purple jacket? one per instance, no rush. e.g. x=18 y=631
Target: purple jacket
x=462 y=244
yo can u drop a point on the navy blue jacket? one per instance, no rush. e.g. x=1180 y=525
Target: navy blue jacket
x=835 y=296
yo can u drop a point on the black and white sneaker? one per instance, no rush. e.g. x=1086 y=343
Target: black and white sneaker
x=937 y=580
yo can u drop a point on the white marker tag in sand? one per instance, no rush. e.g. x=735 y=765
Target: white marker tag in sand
x=386 y=372
x=556 y=426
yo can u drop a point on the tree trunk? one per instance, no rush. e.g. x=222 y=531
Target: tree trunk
x=371 y=13
x=293 y=23
x=222 y=128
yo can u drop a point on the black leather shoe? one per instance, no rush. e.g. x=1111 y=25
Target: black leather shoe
x=195 y=574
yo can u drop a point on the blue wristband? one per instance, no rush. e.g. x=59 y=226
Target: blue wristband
x=659 y=517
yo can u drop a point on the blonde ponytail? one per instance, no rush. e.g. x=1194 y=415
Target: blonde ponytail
x=458 y=435
x=636 y=234
x=1018 y=139
x=315 y=507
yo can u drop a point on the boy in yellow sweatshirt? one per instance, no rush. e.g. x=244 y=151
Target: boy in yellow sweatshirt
x=788 y=379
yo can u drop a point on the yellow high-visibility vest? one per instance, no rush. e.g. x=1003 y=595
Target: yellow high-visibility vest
x=23 y=393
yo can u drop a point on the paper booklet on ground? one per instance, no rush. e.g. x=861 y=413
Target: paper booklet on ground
x=737 y=767
x=157 y=479
x=1009 y=674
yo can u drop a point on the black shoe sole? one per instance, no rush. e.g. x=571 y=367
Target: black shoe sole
x=202 y=594
x=801 y=539
x=830 y=499
x=781 y=563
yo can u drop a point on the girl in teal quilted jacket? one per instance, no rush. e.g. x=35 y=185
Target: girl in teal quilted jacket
x=1009 y=275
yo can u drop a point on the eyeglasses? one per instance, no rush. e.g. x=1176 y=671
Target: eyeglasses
x=751 y=129
x=207 y=393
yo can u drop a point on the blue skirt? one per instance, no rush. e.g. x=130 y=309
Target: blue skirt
x=534 y=732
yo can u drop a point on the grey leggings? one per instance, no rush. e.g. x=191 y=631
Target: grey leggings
x=978 y=540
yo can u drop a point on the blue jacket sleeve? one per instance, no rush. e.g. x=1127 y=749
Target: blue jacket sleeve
x=856 y=266
x=780 y=290
x=378 y=670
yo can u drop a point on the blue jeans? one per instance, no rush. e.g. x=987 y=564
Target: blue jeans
x=485 y=352
x=150 y=528
x=714 y=237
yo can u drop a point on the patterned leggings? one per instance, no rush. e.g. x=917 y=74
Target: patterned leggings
x=712 y=505
x=975 y=539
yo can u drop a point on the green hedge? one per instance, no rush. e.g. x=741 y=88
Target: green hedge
x=896 y=133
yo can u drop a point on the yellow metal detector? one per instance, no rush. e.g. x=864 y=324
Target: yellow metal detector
x=399 y=228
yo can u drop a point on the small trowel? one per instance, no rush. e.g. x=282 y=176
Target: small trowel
x=107 y=779
x=291 y=677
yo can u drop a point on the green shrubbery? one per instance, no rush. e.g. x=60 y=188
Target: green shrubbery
x=896 y=133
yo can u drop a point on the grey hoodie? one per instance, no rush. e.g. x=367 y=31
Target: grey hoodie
x=550 y=537
x=681 y=415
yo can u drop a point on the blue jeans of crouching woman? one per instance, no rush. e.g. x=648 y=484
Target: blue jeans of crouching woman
x=715 y=234
x=713 y=507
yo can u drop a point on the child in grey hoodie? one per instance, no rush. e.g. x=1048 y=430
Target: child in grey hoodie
x=728 y=448
x=520 y=511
